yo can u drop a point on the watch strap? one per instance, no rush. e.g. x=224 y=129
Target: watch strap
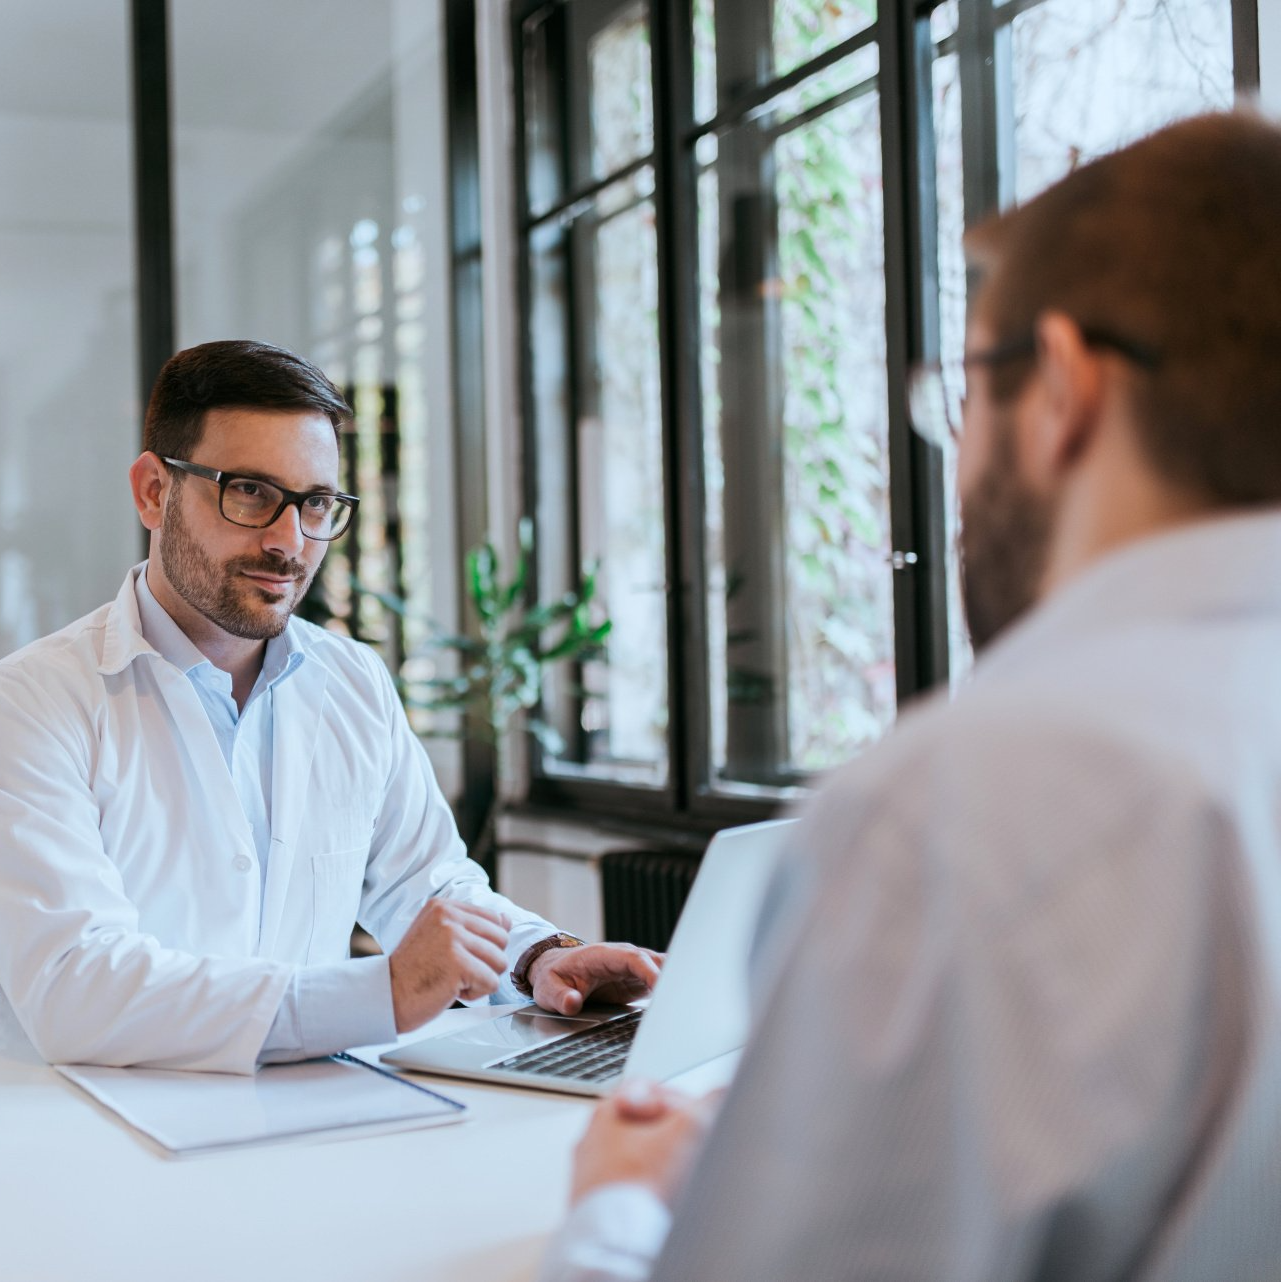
x=520 y=972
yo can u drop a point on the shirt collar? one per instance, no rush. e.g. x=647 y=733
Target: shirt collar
x=122 y=640
x=161 y=632
x=140 y=625
x=1222 y=565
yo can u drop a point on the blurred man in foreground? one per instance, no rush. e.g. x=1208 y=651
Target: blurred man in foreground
x=1020 y=989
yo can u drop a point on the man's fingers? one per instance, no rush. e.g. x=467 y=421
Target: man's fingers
x=614 y=962
x=484 y=922
x=633 y=968
x=565 y=979
x=558 y=992
x=484 y=952
x=639 y=1101
x=646 y=966
x=479 y=973
x=479 y=910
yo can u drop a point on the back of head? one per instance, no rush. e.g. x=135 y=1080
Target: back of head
x=1174 y=244
x=232 y=374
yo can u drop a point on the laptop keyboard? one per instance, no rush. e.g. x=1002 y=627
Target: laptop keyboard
x=593 y=1055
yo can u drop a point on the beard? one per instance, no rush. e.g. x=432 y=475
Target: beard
x=1005 y=544
x=216 y=590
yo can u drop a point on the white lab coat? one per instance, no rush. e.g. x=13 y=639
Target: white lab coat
x=132 y=925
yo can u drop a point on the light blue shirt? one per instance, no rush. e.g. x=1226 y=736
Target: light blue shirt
x=325 y=1008
x=244 y=735
x=1020 y=988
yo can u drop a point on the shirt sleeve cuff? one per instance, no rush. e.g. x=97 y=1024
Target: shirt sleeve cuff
x=613 y=1235
x=329 y=1008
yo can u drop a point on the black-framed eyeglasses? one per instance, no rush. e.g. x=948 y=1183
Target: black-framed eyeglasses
x=936 y=397
x=252 y=502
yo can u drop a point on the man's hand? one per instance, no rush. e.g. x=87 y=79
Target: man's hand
x=643 y=1134
x=563 y=978
x=453 y=950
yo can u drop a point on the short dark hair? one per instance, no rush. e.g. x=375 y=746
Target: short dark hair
x=232 y=374
x=1174 y=243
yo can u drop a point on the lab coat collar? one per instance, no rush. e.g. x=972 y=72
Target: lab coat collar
x=123 y=639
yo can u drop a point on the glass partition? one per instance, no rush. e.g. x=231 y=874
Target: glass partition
x=311 y=211
x=68 y=369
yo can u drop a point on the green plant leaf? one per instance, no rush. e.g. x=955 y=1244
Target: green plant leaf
x=449 y=641
x=482 y=565
x=515 y=590
x=549 y=738
x=388 y=600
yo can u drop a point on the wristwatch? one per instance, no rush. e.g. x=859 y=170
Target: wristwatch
x=520 y=972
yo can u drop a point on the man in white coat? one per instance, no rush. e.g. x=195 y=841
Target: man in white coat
x=200 y=794
x=1020 y=981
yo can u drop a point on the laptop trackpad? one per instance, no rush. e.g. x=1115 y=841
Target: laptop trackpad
x=517 y=1032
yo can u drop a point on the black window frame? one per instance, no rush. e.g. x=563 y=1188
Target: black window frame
x=906 y=50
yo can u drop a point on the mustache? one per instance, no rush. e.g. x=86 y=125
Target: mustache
x=284 y=569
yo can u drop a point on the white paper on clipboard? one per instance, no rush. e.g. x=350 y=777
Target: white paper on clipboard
x=190 y=1113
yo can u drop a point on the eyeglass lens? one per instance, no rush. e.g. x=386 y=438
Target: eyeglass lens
x=256 y=503
x=934 y=403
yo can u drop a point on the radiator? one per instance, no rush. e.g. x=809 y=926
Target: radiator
x=643 y=893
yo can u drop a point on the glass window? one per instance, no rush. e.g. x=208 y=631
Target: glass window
x=795 y=432
x=1088 y=76
x=594 y=341
x=724 y=287
x=785 y=35
x=1070 y=80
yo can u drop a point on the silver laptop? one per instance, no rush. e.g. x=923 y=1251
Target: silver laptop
x=698 y=1010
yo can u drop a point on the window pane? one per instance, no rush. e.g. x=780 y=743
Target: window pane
x=803 y=29
x=69 y=420
x=544 y=122
x=795 y=430
x=1091 y=75
x=764 y=39
x=622 y=111
x=950 y=195
x=589 y=106
x=943 y=20
x=1074 y=79
x=611 y=715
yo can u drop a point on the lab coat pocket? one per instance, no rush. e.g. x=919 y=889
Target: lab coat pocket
x=336 y=877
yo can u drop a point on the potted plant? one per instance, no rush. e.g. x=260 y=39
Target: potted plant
x=498 y=684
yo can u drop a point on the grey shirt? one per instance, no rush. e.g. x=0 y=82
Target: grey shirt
x=1020 y=990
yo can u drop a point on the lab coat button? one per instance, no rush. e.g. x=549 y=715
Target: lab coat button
x=242 y=863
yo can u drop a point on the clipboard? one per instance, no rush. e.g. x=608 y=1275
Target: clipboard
x=189 y=1113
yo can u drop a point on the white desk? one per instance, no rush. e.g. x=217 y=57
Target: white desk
x=84 y=1199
